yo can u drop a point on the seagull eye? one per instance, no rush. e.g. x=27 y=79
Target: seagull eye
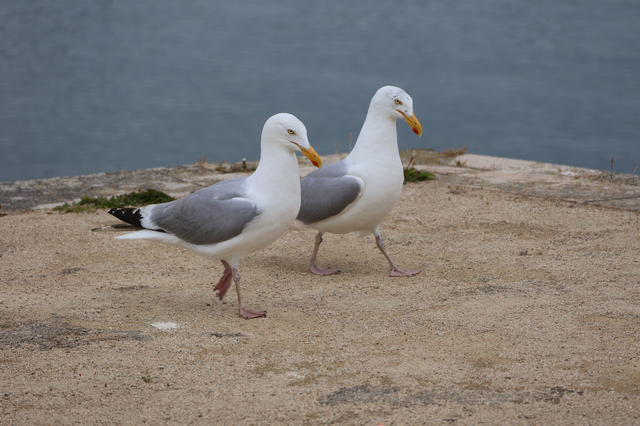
x=291 y=132
x=398 y=102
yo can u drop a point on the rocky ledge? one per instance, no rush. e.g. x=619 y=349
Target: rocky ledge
x=570 y=184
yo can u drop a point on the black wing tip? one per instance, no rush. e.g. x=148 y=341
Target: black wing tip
x=130 y=215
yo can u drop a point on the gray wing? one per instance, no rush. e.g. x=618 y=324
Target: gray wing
x=208 y=216
x=327 y=192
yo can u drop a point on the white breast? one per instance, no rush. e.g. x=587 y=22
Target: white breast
x=382 y=190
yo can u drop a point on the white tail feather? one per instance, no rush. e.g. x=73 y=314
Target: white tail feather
x=146 y=234
x=116 y=228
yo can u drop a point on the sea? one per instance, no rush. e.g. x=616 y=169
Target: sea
x=111 y=85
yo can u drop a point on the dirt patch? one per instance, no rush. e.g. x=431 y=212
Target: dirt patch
x=367 y=394
x=56 y=332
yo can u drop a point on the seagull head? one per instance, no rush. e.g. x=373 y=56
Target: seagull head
x=286 y=130
x=396 y=103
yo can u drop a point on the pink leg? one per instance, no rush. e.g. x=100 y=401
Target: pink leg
x=395 y=271
x=244 y=312
x=225 y=280
x=318 y=270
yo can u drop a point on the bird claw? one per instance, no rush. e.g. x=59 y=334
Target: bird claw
x=397 y=272
x=318 y=270
x=222 y=289
x=249 y=314
x=224 y=284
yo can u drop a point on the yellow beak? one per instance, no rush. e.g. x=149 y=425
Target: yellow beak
x=312 y=155
x=412 y=122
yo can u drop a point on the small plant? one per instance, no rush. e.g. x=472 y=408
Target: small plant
x=147 y=377
x=225 y=167
x=139 y=198
x=612 y=170
x=413 y=175
x=624 y=180
x=455 y=152
x=455 y=191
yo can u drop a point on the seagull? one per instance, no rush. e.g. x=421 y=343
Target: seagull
x=357 y=193
x=231 y=219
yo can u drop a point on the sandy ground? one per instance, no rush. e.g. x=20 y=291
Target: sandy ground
x=526 y=312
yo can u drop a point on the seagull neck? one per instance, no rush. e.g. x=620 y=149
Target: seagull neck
x=277 y=166
x=378 y=135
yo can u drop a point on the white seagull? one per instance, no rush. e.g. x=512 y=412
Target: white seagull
x=231 y=219
x=357 y=193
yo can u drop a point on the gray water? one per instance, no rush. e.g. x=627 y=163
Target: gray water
x=104 y=86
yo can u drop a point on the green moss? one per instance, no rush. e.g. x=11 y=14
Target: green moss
x=139 y=198
x=413 y=175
